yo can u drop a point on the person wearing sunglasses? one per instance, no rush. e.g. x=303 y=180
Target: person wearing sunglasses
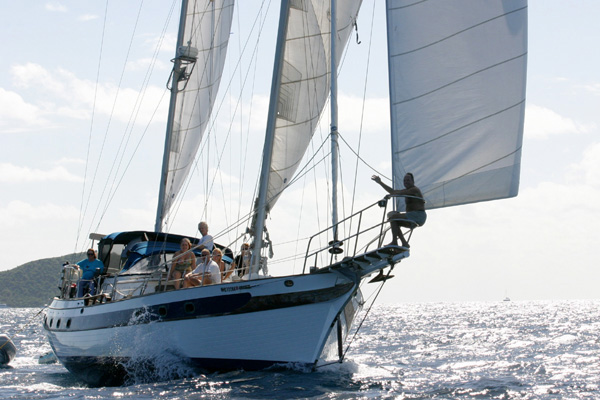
x=90 y=268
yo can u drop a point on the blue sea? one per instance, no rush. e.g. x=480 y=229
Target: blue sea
x=502 y=350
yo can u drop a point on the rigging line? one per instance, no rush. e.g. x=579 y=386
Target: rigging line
x=362 y=113
x=256 y=181
x=143 y=88
x=113 y=109
x=131 y=158
x=210 y=185
x=133 y=118
x=361 y=159
x=366 y=314
x=101 y=147
x=217 y=112
x=26 y=324
x=299 y=220
x=87 y=158
x=188 y=129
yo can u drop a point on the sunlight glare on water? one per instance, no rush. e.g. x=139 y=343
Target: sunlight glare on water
x=503 y=350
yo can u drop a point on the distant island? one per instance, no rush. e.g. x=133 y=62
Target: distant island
x=35 y=283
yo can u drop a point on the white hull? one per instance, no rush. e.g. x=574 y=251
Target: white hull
x=249 y=325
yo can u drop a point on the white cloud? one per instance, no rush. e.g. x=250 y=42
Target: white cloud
x=67 y=161
x=541 y=123
x=62 y=93
x=143 y=63
x=20 y=213
x=56 y=7
x=593 y=88
x=589 y=167
x=17 y=115
x=14 y=174
x=167 y=44
x=36 y=231
x=87 y=17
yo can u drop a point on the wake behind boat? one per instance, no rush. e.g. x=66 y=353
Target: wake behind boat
x=459 y=130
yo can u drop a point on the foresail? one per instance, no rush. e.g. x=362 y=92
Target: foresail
x=207 y=29
x=457 y=97
x=304 y=83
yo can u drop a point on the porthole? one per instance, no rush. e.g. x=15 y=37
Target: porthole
x=68 y=323
x=162 y=311
x=189 y=308
x=58 y=324
x=51 y=321
x=289 y=283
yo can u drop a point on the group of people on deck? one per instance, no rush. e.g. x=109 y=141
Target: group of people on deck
x=186 y=271
x=210 y=269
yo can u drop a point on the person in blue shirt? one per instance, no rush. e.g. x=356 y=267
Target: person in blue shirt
x=88 y=272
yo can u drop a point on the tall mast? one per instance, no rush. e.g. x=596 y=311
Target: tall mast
x=261 y=206
x=171 y=116
x=334 y=121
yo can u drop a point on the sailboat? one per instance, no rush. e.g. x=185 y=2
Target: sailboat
x=457 y=97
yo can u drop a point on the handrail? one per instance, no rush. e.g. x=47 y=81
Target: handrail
x=355 y=236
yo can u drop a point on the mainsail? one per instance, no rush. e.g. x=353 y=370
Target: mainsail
x=202 y=46
x=457 y=97
x=304 y=88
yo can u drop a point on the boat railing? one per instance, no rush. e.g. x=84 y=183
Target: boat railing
x=365 y=229
x=368 y=222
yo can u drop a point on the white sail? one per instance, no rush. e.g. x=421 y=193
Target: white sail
x=457 y=96
x=304 y=83
x=206 y=35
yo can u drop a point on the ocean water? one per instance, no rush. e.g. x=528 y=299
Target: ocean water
x=503 y=350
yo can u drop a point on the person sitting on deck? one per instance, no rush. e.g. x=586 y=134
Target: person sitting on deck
x=415 y=207
x=207 y=240
x=183 y=264
x=206 y=273
x=241 y=263
x=217 y=257
x=90 y=268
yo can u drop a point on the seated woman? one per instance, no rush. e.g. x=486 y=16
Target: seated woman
x=217 y=257
x=183 y=263
x=206 y=273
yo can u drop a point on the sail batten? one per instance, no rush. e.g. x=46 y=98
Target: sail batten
x=457 y=97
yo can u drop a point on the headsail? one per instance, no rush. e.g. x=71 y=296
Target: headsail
x=457 y=95
x=304 y=83
x=202 y=47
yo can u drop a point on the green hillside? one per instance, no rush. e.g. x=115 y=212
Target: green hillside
x=35 y=283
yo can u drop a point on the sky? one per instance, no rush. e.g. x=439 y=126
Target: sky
x=82 y=129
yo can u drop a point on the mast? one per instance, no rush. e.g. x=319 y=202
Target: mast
x=261 y=206
x=171 y=116
x=334 y=117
